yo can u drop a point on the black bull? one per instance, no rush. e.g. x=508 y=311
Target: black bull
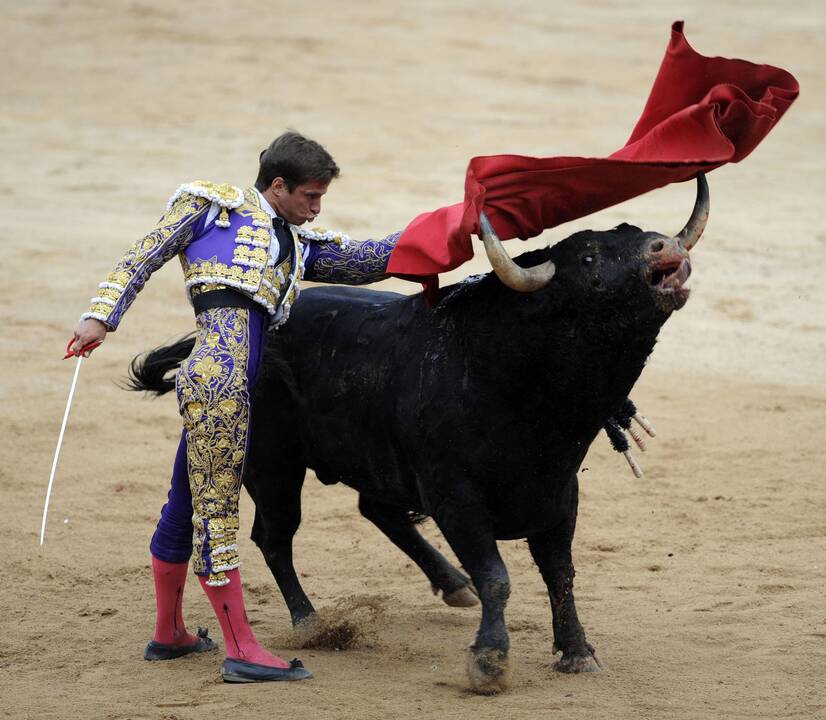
x=477 y=412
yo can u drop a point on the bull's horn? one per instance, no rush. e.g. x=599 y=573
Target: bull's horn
x=515 y=277
x=690 y=234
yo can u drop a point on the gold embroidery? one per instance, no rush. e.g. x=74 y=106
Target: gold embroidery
x=250 y=269
x=223 y=218
x=144 y=256
x=100 y=309
x=267 y=295
x=207 y=369
x=194 y=410
x=353 y=263
x=245 y=252
x=227 y=196
x=213 y=394
x=249 y=235
x=213 y=271
x=228 y=407
x=121 y=277
x=205 y=287
x=110 y=293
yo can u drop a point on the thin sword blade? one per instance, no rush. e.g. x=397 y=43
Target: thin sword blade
x=57 y=450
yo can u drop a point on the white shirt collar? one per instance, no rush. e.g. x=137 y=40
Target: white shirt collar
x=265 y=205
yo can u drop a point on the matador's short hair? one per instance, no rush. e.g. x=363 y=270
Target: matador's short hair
x=297 y=159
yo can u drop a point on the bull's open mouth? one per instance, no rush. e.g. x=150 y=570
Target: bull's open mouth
x=667 y=278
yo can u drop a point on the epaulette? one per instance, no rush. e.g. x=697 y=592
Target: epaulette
x=319 y=234
x=227 y=197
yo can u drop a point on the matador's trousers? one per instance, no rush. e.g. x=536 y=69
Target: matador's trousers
x=213 y=385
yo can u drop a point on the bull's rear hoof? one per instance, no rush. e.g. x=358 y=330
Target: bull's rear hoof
x=578 y=664
x=463 y=597
x=488 y=670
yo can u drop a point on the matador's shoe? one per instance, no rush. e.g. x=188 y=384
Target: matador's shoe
x=160 y=651
x=238 y=671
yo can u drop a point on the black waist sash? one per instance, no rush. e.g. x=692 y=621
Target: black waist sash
x=226 y=297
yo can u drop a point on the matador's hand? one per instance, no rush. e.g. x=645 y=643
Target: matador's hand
x=88 y=332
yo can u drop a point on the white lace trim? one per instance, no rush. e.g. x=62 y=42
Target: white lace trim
x=286 y=307
x=293 y=288
x=248 y=263
x=229 y=282
x=104 y=300
x=225 y=548
x=241 y=240
x=261 y=300
x=204 y=191
x=322 y=235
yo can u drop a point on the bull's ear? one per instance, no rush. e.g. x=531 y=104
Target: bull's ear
x=510 y=274
x=690 y=234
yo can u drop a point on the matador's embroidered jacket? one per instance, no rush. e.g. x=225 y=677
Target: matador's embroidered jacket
x=225 y=239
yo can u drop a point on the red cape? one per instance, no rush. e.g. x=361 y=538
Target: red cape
x=702 y=113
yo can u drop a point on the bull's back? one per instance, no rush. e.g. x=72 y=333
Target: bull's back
x=343 y=349
x=341 y=328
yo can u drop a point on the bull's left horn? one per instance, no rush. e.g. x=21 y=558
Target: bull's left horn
x=515 y=277
x=690 y=234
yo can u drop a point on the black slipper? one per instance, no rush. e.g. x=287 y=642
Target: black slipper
x=160 y=651
x=238 y=671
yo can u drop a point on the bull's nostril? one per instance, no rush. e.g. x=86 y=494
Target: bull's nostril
x=657 y=245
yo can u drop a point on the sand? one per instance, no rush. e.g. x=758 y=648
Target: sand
x=701 y=584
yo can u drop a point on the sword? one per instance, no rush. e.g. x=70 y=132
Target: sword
x=68 y=354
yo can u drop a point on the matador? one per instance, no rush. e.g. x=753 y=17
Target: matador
x=244 y=254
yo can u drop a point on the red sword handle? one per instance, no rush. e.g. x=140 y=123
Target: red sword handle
x=91 y=346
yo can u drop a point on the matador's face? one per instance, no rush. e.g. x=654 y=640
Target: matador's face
x=302 y=204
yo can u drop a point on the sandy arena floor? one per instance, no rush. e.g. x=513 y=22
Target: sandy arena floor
x=701 y=584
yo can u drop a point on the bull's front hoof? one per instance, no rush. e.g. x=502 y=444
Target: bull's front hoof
x=306 y=631
x=488 y=670
x=463 y=597
x=333 y=630
x=586 y=662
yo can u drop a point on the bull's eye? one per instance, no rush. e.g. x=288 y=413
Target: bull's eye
x=587 y=260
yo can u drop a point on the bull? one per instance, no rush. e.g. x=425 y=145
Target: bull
x=477 y=412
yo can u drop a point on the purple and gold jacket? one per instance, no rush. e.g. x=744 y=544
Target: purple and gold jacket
x=224 y=239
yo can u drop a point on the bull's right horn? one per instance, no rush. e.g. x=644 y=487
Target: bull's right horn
x=515 y=277
x=690 y=234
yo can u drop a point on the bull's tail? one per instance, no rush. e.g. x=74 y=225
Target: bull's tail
x=149 y=371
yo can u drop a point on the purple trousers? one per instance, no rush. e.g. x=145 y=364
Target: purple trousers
x=214 y=385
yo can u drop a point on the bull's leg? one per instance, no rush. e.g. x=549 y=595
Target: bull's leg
x=470 y=534
x=552 y=553
x=277 y=517
x=394 y=522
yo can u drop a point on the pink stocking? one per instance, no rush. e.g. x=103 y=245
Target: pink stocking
x=239 y=639
x=170 y=579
